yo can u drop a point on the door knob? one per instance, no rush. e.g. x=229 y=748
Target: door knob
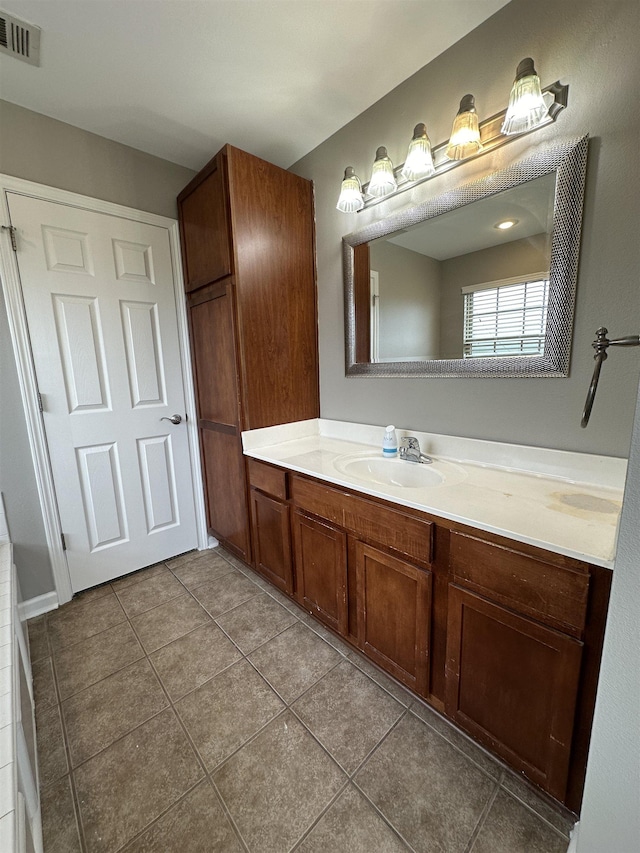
x=175 y=419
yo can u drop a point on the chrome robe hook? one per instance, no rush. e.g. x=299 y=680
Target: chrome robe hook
x=600 y=345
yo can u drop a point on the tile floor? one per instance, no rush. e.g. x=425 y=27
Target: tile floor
x=190 y=707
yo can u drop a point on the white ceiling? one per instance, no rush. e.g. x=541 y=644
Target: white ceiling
x=180 y=78
x=472 y=227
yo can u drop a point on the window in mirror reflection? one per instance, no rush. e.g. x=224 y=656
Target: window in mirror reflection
x=423 y=275
x=505 y=318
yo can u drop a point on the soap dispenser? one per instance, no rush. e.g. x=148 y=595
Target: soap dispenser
x=390 y=442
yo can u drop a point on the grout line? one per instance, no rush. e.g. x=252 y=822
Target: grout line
x=228 y=814
x=484 y=814
x=317 y=820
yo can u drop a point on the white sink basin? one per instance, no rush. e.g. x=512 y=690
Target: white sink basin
x=375 y=470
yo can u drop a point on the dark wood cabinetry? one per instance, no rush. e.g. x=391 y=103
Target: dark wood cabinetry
x=321 y=570
x=514 y=654
x=271 y=525
x=248 y=254
x=502 y=637
x=394 y=614
x=512 y=684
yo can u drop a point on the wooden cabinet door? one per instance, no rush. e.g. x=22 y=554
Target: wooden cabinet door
x=211 y=320
x=204 y=227
x=512 y=684
x=394 y=607
x=321 y=570
x=271 y=521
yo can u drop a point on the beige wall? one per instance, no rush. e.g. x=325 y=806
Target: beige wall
x=41 y=149
x=592 y=46
x=519 y=257
x=409 y=306
x=50 y=152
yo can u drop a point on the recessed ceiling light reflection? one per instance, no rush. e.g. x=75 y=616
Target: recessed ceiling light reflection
x=506 y=224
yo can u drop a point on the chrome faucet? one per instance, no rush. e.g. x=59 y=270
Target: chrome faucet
x=410 y=450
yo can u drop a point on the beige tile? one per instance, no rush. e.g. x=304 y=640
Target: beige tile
x=225 y=593
x=149 y=593
x=294 y=660
x=352 y=825
x=38 y=638
x=181 y=559
x=100 y=714
x=511 y=827
x=85 y=663
x=155 y=571
x=127 y=786
x=196 y=824
x=44 y=688
x=163 y=624
x=552 y=812
x=226 y=711
x=277 y=785
x=73 y=622
x=326 y=634
x=59 y=825
x=92 y=594
x=202 y=570
x=193 y=659
x=348 y=713
x=396 y=690
x=52 y=755
x=254 y=622
x=478 y=755
x=425 y=788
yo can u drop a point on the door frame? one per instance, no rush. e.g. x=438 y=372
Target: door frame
x=19 y=332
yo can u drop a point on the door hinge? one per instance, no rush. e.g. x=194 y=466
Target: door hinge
x=40 y=406
x=12 y=233
x=64 y=542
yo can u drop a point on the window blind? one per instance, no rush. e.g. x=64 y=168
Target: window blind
x=505 y=319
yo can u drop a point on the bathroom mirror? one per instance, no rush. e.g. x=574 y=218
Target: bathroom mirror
x=479 y=281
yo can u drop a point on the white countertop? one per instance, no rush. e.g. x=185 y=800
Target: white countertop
x=562 y=501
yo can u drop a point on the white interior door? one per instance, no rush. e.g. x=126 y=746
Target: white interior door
x=100 y=305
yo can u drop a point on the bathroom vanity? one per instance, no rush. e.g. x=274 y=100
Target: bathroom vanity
x=480 y=581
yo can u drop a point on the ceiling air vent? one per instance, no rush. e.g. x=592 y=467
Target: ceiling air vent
x=19 y=39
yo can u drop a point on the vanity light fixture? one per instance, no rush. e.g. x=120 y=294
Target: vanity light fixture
x=465 y=133
x=527 y=108
x=383 y=180
x=419 y=162
x=506 y=224
x=351 y=199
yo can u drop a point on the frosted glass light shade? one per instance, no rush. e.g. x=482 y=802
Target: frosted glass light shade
x=351 y=199
x=419 y=162
x=527 y=108
x=382 y=180
x=465 y=133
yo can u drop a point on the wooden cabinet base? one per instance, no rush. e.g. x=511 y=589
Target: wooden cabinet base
x=394 y=606
x=501 y=637
x=512 y=684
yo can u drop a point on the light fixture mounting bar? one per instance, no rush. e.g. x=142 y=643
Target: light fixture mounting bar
x=491 y=137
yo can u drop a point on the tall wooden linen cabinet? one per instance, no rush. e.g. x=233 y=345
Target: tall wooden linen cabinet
x=247 y=232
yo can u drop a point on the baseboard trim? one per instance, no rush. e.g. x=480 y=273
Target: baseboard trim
x=37 y=606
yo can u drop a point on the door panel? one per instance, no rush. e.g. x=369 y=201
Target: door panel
x=321 y=570
x=100 y=304
x=213 y=345
x=512 y=683
x=394 y=606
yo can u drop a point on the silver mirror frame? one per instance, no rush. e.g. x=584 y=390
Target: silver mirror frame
x=569 y=160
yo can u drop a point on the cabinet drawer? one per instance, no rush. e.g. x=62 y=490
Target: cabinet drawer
x=552 y=594
x=367 y=520
x=271 y=480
